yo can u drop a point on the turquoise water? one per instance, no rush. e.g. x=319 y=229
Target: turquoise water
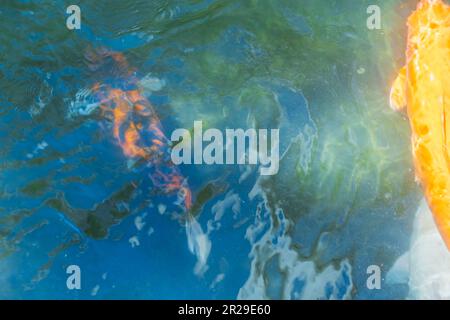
x=344 y=197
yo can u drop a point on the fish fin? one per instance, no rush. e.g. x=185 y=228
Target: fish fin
x=399 y=273
x=446 y=131
x=397 y=97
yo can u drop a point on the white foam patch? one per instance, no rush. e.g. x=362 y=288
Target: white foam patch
x=161 y=208
x=40 y=147
x=246 y=171
x=270 y=242
x=219 y=278
x=232 y=201
x=94 y=290
x=134 y=241
x=82 y=105
x=139 y=223
x=199 y=244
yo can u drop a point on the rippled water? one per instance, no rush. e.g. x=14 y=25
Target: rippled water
x=343 y=198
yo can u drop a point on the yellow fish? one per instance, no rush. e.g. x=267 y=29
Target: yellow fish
x=422 y=87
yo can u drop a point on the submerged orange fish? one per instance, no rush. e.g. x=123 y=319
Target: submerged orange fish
x=136 y=126
x=422 y=86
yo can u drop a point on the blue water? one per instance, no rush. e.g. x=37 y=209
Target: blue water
x=343 y=199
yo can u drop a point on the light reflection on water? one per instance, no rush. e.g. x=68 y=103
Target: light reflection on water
x=343 y=198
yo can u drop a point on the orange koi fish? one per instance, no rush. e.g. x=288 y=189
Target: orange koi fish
x=422 y=86
x=136 y=126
